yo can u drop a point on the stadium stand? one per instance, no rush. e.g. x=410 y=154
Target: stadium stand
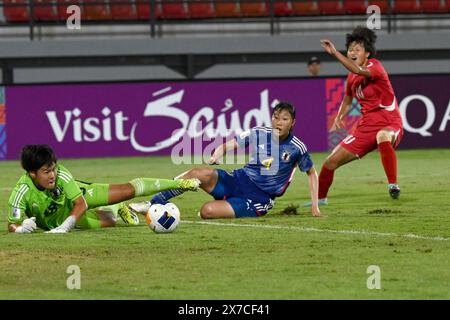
x=406 y=6
x=282 y=8
x=330 y=7
x=123 y=11
x=355 y=7
x=227 y=9
x=174 y=9
x=236 y=45
x=200 y=9
x=224 y=17
x=97 y=10
x=305 y=8
x=16 y=11
x=45 y=10
x=144 y=10
x=254 y=9
x=436 y=6
x=101 y=10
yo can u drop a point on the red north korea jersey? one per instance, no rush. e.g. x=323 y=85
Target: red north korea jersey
x=372 y=93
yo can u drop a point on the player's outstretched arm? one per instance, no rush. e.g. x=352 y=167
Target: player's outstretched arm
x=314 y=191
x=79 y=208
x=221 y=150
x=27 y=226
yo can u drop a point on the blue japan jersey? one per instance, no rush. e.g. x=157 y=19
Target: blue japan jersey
x=272 y=163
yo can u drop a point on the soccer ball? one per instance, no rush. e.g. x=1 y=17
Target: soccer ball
x=163 y=218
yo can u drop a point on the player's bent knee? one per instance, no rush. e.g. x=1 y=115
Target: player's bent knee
x=207 y=211
x=188 y=174
x=200 y=173
x=384 y=135
x=205 y=175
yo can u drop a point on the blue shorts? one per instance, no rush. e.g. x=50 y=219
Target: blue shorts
x=246 y=199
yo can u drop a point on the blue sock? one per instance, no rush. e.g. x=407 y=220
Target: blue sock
x=164 y=196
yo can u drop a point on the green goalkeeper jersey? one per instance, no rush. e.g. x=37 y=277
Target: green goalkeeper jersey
x=50 y=207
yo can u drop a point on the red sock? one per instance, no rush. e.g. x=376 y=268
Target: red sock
x=325 y=181
x=389 y=160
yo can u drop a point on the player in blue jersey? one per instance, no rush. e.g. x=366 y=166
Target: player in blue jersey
x=251 y=190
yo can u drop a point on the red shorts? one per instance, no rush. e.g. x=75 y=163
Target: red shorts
x=364 y=138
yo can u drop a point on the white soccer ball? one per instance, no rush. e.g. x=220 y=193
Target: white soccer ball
x=163 y=218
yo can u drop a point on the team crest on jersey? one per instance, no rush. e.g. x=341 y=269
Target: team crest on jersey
x=16 y=213
x=56 y=192
x=285 y=156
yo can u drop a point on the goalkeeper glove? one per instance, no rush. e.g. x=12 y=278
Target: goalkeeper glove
x=65 y=227
x=28 y=226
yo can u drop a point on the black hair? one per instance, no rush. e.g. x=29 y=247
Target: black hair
x=363 y=36
x=34 y=156
x=283 y=105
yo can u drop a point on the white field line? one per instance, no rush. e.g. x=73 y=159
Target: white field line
x=304 y=229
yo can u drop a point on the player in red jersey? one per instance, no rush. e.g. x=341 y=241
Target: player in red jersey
x=381 y=124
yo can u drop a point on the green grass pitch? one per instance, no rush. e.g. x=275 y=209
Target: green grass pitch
x=279 y=256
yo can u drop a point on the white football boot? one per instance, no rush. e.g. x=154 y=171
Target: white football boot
x=140 y=207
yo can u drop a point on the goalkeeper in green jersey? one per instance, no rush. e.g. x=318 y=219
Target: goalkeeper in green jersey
x=48 y=197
